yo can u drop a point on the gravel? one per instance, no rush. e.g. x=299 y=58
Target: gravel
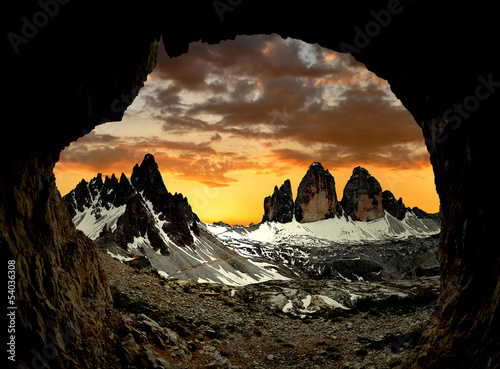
x=226 y=327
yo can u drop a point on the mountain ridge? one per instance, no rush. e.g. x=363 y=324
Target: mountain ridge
x=363 y=199
x=137 y=220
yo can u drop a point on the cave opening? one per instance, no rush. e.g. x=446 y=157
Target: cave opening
x=420 y=53
x=228 y=122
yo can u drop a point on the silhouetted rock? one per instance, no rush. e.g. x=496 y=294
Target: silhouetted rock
x=279 y=206
x=424 y=215
x=362 y=199
x=181 y=220
x=394 y=207
x=316 y=195
x=143 y=197
x=222 y=224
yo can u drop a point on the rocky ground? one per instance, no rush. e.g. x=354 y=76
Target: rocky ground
x=158 y=323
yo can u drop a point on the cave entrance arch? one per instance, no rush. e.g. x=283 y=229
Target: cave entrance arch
x=260 y=103
x=420 y=52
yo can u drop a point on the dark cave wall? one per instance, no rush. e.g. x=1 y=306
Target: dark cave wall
x=77 y=72
x=62 y=292
x=88 y=61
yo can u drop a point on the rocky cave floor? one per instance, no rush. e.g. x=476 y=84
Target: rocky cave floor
x=159 y=323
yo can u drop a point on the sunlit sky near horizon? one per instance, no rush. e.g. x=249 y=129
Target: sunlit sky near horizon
x=228 y=122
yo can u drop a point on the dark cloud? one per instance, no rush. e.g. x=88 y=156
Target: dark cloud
x=183 y=160
x=295 y=157
x=216 y=137
x=262 y=56
x=182 y=124
x=99 y=158
x=301 y=102
x=277 y=89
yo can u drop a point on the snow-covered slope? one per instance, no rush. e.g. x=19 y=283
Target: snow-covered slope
x=92 y=224
x=138 y=219
x=384 y=248
x=341 y=230
x=206 y=261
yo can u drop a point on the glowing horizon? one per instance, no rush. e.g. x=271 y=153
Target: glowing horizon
x=214 y=204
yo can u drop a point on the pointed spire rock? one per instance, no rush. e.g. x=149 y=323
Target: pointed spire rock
x=110 y=182
x=362 y=198
x=279 y=206
x=78 y=199
x=130 y=207
x=95 y=184
x=316 y=195
x=394 y=207
x=147 y=178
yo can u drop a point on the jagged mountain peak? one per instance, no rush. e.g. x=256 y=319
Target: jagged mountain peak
x=316 y=195
x=148 y=165
x=360 y=171
x=111 y=182
x=96 y=204
x=138 y=217
x=148 y=175
x=395 y=207
x=362 y=197
x=96 y=181
x=279 y=206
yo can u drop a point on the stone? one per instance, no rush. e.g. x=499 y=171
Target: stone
x=131 y=349
x=279 y=206
x=137 y=220
x=148 y=358
x=209 y=348
x=424 y=215
x=362 y=198
x=278 y=301
x=316 y=195
x=394 y=207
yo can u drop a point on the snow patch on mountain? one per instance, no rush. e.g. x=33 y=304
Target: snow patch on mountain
x=91 y=222
x=339 y=230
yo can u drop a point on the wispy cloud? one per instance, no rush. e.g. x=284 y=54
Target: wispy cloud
x=259 y=103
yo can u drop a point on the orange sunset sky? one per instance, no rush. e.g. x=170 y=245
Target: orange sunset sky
x=228 y=122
